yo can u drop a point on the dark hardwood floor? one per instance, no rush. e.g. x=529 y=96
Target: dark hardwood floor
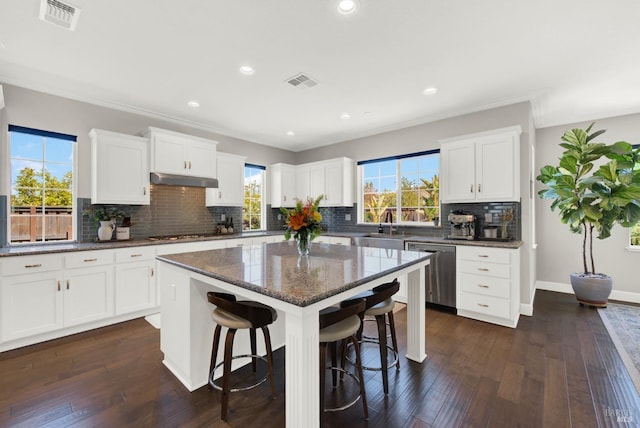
x=559 y=368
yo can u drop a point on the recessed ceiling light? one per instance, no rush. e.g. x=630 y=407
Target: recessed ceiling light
x=347 y=7
x=247 y=70
x=345 y=116
x=430 y=90
x=193 y=104
x=291 y=133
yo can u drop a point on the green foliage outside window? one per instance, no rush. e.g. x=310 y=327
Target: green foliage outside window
x=408 y=188
x=252 y=209
x=635 y=235
x=30 y=186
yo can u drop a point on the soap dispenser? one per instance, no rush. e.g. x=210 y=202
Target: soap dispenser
x=380 y=228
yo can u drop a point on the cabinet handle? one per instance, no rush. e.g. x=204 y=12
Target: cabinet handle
x=185 y=164
x=483 y=269
x=135 y=255
x=483 y=255
x=189 y=164
x=479 y=187
x=33 y=266
x=90 y=260
x=144 y=190
x=284 y=198
x=152 y=272
x=471 y=188
x=58 y=285
x=482 y=305
x=68 y=281
x=219 y=195
x=483 y=286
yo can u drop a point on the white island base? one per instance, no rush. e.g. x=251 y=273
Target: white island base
x=187 y=328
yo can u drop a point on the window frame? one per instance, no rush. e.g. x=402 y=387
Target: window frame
x=398 y=190
x=631 y=246
x=74 y=182
x=263 y=199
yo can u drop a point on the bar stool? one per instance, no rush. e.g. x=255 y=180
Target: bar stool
x=341 y=323
x=235 y=315
x=380 y=304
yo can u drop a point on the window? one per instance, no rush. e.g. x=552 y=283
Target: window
x=407 y=188
x=253 y=212
x=634 y=233
x=42 y=196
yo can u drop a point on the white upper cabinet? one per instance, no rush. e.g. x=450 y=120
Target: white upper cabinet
x=332 y=178
x=338 y=179
x=283 y=185
x=230 y=191
x=302 y=182
x=119 y=168
x=481 y=167
x=181 y=154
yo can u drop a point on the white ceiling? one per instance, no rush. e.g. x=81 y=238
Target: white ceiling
x=574 y=59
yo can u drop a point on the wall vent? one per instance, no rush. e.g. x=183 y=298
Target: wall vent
x=61 y=14
x=302 y=80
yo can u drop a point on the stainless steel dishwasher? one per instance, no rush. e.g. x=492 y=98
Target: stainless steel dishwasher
x=440 y=274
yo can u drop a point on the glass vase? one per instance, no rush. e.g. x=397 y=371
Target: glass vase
x=303 y=243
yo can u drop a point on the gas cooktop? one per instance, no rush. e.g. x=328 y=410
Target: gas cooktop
x=180 y=237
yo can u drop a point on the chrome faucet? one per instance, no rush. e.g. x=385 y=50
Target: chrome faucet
x=388 y=218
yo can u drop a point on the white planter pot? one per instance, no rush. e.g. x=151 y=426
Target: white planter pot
x=592 y=290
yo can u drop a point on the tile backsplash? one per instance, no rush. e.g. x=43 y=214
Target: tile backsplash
x=173 y=210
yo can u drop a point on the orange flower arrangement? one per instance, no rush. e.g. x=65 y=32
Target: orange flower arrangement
x=303 y=223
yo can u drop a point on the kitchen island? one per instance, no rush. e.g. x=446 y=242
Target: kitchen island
x=297 y=287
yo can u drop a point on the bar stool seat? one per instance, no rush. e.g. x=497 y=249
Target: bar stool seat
x=381 y=308
x=340 y=330
x=236 y=315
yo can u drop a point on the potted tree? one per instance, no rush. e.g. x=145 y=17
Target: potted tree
x=591 y=199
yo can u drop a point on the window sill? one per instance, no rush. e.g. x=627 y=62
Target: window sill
x=633 y=248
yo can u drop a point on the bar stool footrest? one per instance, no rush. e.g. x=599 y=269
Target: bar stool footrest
x=260 y=381
x=390 y=362
x=350 y=402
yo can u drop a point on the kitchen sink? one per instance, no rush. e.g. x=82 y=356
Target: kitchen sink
x=383 y=241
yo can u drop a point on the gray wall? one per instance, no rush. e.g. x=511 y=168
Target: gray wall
x=52 y=113
x=559 y=251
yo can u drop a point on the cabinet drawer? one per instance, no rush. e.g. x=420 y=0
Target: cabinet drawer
x=485 y=269
x=31 y=264
x=492 y=255
x=485 y=285
x=135 y=254
x=487 y=305
x=88 y=259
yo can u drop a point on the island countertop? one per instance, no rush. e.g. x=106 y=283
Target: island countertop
x=276 y=270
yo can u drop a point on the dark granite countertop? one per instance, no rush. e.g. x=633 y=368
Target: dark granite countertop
x=276 y=270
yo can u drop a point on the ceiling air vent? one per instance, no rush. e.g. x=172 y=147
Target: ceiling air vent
x=301 y=80
x=61 y=14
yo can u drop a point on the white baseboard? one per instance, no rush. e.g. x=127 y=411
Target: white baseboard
x=623 y=296
x=527 y=308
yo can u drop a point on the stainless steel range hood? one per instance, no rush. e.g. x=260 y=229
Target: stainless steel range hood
x=183 y=180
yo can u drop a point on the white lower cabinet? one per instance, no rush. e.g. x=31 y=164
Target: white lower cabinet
x=31 y=304
x=55 y=297
x=488 y=284
x=136 y=287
